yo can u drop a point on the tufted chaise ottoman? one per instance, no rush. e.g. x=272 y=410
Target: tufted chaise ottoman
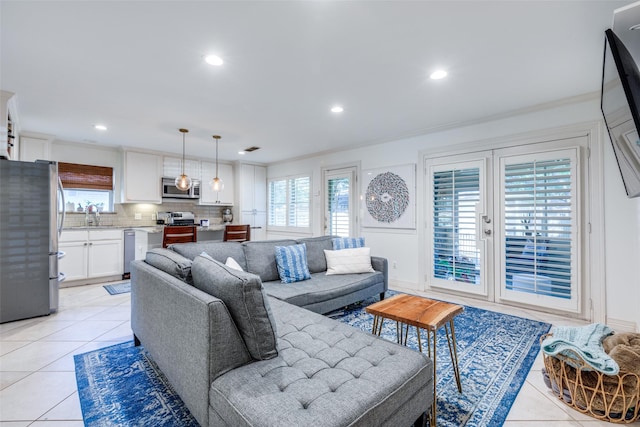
x=326 y=374
x=238 y=357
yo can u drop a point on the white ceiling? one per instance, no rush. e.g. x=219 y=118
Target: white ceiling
x=137 y=67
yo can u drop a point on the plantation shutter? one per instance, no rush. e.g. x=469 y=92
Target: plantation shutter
x=539 y=217
x=338 y=207
x=456 y=194
x=299 y=201
x=89 y=177
x=278 y=202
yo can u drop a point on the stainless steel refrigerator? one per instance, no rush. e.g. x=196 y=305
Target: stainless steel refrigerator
x=30 y=196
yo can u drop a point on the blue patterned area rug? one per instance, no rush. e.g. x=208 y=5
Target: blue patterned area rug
x=122 y=386
x=495 y=354
x=118 y=288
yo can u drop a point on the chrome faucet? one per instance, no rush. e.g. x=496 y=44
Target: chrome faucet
x=88 y=212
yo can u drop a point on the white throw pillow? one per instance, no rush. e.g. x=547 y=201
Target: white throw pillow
x=348 y=261
x=232 y=263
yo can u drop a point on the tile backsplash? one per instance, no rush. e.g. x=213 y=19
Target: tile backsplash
x=125 y=214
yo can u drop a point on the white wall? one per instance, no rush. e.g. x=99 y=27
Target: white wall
x=621 y=215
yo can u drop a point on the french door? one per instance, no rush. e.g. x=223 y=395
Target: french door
x=505 y=224
x=340 y=193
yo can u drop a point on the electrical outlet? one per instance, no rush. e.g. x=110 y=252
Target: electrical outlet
x=394 y=265
x=153 y=217
x=138 y=215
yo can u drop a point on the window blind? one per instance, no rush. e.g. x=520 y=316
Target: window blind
x=455 y=196
x=299 y=201
x=338 y=206
x=289 y=202
x=278 y=203
x=538 y=219
x=79 y=176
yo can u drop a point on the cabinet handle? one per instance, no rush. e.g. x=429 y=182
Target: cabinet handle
x=90 y=244
x=86 y=244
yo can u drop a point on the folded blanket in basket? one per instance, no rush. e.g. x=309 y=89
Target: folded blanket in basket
x=585 y=342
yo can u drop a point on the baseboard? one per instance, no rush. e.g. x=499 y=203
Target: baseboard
x=399 y=284
x=622 y=325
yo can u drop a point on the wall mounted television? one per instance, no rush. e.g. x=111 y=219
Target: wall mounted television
x=620 y=105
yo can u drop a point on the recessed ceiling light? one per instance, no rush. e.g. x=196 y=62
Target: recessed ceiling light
x=242 y=153
x=337 y=109
x=213 y=60
x=438 y=74
x=100 y=127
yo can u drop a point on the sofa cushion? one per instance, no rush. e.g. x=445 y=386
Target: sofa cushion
x=327 y=374
x=171 y=263
x=219 y=251
x=292 y=263
x=261 y=257
x=349 y=261
x=315 y=252
x=347 y=242
x=322 y=288
x=246 y=300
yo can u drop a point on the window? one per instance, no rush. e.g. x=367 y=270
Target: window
x=86 y=185
x=456 y=193
x=289 y=202
x=539 y=214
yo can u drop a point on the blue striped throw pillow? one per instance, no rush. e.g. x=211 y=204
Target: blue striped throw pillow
x=348 y=243
x=292 y=263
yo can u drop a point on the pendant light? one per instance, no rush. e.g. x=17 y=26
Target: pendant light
x=183 y=182
x=216 y=183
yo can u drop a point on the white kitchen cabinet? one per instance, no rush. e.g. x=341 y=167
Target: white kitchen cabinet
x=252 y=186
x=91 y=253
x=74 y=262
x=35 y=147
x=172 y=167
x=8 y=126
x=141 y=180
x=257 y=220
x=225 y=173
x=252 y=189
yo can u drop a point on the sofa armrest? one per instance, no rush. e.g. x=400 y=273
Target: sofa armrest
x=380 y=264
x=188 y=333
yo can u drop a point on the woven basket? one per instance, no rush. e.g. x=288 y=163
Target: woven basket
x=612 y=398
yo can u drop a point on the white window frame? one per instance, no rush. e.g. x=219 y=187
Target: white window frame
x=288 y=227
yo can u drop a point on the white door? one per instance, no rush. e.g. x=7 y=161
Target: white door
x=537 y=239
x=458 y=223
x=340 y=193
x=505 y=224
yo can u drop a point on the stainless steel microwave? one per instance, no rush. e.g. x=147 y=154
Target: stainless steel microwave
x=170 y=191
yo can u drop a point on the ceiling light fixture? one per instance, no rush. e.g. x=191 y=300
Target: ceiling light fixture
x=242 y=153
x=100 y=127
x=213 y=60
x=337 y=109
x=183 y=182
x=216 y=183
x=438 y=74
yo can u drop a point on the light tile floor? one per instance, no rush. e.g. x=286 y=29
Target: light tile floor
x=38 y=385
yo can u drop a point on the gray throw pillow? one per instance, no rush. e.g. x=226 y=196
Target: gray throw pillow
x=315 y=252
x=246 y=301
x=171 y=263
x=261 y=258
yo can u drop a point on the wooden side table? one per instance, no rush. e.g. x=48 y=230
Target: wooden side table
x=423 y=313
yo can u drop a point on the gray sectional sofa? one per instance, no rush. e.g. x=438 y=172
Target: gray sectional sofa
x=242 y=349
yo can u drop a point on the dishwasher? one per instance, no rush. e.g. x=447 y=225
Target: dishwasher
x=129 y=251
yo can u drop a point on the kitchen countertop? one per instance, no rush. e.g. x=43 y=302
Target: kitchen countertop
x=148 y=229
